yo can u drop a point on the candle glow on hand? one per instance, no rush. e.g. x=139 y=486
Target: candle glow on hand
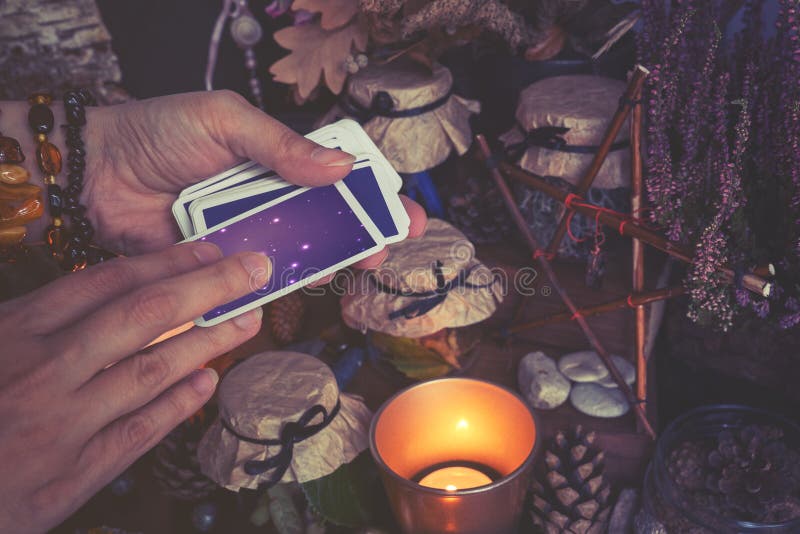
x=455 y=478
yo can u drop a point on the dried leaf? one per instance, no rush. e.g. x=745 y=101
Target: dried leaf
x=315 y=53
x=335 y=13
x=445 y=344
x=550 y=45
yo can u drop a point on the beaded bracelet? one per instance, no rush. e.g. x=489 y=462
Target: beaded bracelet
x=48 y=157
x=79 y=252
x=20 y=202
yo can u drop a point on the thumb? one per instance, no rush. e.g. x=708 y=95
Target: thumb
x=251 y=133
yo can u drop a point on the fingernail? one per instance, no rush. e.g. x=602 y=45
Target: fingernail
x=203 y=381
x=259 y=268
x=207 y=252
x=332 y=158
x=249 y=319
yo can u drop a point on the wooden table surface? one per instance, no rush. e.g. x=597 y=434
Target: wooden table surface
x=627 y=451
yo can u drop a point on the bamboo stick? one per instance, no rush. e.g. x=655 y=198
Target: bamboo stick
x=633 y=300
x=551 y=275
x=752 y=281
x=631 y=94
x=640 y=331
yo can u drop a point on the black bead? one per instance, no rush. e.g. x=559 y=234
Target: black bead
x=76 y=116
x=75 y=143
x=75 y=177
x=78 y=151
x=40 y=118
x=54 y=200
x=74 y=256
x=73 y=207
x=77 y=165
x=74 y=190
x=87 y=97
x=72 y=98
x=82 y=227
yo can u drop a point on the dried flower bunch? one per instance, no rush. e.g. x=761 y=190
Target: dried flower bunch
x=723 y=148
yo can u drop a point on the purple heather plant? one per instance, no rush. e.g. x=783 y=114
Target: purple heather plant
x=722 y=140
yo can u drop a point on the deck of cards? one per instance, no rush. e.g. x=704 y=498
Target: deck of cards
x=307 y=232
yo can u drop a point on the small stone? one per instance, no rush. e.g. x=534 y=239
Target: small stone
x=625 y=368
x=540 y=382
x=583 y=366
x=624 y=511
x=13 y=174
x=597 y=401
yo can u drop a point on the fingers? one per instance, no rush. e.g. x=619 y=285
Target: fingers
x=119 y=444
x=248 y=132
x=80 y=293
x=127 y=324
x=419 y=219
x=135 y=381
x=373 y=261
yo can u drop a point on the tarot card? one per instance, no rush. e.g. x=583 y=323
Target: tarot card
x=307 y=234
x=213 y=210
x=374 y=194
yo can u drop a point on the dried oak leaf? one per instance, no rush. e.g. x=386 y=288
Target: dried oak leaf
x=317 y=53
x=335 y=13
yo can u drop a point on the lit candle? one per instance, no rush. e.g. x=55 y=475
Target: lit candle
x=455 y=456
x=455 y=478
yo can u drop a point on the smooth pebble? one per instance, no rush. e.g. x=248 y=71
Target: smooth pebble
x=583 y=366
x=597 y=401
x=625 y=368
x=540 y=382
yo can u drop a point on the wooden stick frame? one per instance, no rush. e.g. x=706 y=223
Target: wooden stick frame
x=626 y=225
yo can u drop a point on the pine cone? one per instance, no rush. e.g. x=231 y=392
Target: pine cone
x=176 y=466
x=686 y=466
x=575 y=497
x=753 y=473
x=286 y=317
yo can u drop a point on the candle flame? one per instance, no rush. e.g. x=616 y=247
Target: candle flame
x=451 y=487
x=462 y=424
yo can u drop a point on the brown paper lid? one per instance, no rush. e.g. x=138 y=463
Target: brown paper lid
x=585 y=104
x=263 y=393
x=421 y=142
x=412 y=266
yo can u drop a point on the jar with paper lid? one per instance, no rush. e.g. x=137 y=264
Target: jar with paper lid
x=421 y=308
x=560 y=124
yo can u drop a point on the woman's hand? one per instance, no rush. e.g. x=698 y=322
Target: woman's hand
x=142 y=154
x=80 y=398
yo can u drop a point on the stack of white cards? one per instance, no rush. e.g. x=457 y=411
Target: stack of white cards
x=307 y=232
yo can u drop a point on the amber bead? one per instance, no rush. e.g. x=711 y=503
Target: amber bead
x=40 y=98
x=55 y=239
x=31 y=209
x=10 y=151
x=18 y=191
x=49 y=158
x=12 y=236
x=13 y=174
x=40 y=118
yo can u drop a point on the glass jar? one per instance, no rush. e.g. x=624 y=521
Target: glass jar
x=674 y=498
